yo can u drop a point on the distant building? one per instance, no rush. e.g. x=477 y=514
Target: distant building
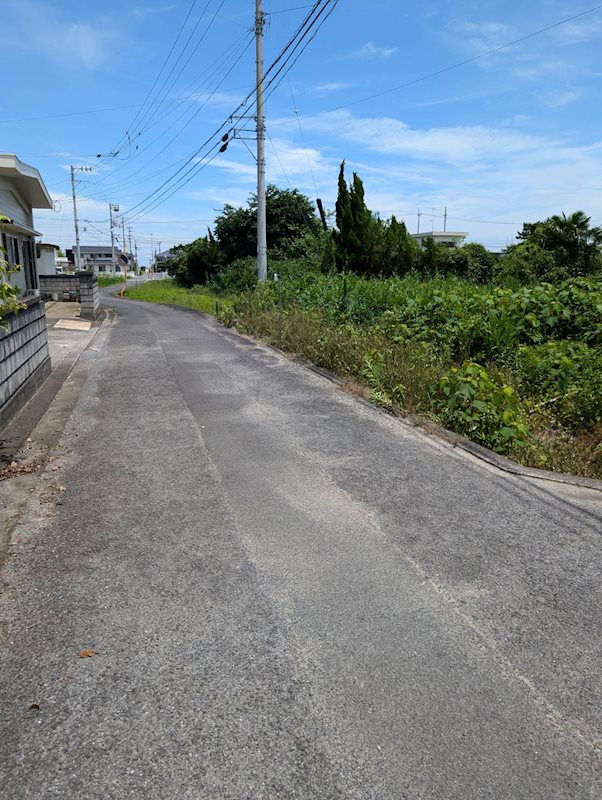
x=21 y=190
x=46 y=255
x=99 y=258
x=450 y=238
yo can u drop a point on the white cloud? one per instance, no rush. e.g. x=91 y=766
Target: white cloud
x=334 y=86
x=481 y=36
x=480 y=172
x=37 y=29
x=370 y=50
x=557 y=98
x=144 y=11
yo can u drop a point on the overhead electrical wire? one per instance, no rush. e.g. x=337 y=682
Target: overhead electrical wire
x=163 y=66
x=306 y=26
x=196 y=47
x=199 y=108
x=450 y=67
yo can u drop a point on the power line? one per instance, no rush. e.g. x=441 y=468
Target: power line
x=61 y=116
x=307 y=24
x=205 y=32
x=290 y=186
x=150 y=91
x=458 y=64
x=146 y=204
x=126 y=183
x=303 y=139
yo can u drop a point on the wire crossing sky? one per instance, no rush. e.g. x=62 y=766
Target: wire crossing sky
x=489 y=109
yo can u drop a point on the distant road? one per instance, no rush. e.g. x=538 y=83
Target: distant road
x=290 y=595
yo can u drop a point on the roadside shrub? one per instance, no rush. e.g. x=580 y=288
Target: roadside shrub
x=239 y=276
x=564 y=378
x=471 y=403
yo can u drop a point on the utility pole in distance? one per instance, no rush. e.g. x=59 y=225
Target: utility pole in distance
x=131 y=251
x=78 y=256
x=125 y=263
x=262 y=255
x=112 y=208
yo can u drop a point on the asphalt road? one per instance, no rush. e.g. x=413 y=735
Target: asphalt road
x=290 y=595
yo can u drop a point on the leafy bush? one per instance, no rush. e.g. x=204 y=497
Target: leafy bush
x=564 y=379
x=237 y=277
x=472 y=403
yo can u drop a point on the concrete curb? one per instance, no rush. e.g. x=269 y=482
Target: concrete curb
x=456 y=440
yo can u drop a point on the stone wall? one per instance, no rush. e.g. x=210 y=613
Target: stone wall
x=24 y=357
x=82 y=286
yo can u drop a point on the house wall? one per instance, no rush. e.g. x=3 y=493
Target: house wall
x=24 y=358
x=14 y=206
x=46 y=263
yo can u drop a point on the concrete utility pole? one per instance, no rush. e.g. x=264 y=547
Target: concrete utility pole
x=445 y=220
x=419 y=215
x=150 y=260
x=78 y=256
x=112 y=207
x=262 y=248
x=130 y=239
x=125 y=255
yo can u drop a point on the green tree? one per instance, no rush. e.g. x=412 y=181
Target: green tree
x=363 y=243
x=526 y=262
x=571 y=240
x=289 y=216
x=202 y=260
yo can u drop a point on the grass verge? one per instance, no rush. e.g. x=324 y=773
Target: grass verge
x=403 y=375
x=168 y=293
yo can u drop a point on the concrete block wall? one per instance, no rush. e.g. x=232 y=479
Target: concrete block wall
x=89 y=295
x=24 y=357
x=83 y=285
x=60 y=285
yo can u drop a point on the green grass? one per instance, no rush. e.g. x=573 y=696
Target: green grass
x=167 y=292
x=109 y=280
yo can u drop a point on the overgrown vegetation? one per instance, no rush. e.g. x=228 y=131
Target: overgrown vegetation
x=109 y=280
x=506 y=350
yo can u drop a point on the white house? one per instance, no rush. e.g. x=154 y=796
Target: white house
x=451 y=238
x=99 y=258
x=46 y=258
x=21 y=190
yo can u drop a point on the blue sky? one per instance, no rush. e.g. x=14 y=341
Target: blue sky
x=510 y=137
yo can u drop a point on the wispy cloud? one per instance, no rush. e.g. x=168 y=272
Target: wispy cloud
x=38 y=29
x=557 y=98
x=145 y=11
x=477 y=37
x=334 y=86
x=476 y=170
x=371 y=50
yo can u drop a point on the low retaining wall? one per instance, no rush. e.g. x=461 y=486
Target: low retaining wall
x=24 y=357
x=82 y=286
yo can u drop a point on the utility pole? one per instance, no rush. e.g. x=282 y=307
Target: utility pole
x=125 y=255
x=419 y=215
x=130 y=239
x=445 y=220
x=262 y=256
x=150 y=260
x=78 y=257
x=112 y=208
